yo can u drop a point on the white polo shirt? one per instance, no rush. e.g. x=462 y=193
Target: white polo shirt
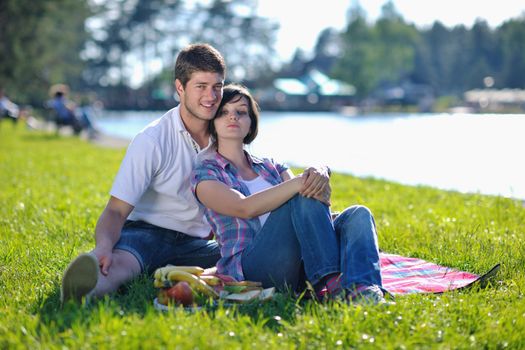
x=154 y=177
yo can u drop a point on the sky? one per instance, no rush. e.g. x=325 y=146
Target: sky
x=302 y=21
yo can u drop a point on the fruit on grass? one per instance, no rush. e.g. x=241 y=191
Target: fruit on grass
x=210 y=280
x=181 y=293
x=194 y=281
x=162 y=272
x=162 y=297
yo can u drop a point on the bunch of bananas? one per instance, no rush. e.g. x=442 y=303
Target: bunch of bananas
x=179 y=284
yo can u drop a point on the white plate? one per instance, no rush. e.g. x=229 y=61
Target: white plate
x=162 y=307
x=262 y=296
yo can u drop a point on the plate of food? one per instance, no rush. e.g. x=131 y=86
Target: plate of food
x=192 y=287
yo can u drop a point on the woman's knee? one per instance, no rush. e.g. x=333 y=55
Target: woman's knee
x=305 y=203
x=357 y=215
x=358 y=212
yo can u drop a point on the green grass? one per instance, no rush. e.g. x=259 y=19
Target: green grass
x=52 y=191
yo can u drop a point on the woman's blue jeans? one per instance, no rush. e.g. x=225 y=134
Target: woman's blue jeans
x=301 y=233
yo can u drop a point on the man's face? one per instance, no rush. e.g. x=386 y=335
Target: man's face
x=201 y=96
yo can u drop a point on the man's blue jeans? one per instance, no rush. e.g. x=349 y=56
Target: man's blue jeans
x=301 y=232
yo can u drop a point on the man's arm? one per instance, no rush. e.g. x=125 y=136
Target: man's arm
x=107 y=231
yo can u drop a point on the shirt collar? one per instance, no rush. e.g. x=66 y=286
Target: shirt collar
x=179 y=126
x=223 y=162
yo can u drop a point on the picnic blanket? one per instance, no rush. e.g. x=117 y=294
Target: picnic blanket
x=405 y=275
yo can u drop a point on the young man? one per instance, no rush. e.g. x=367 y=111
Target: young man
x=152 y=218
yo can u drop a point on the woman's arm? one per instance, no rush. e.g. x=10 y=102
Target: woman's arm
x=227 y=201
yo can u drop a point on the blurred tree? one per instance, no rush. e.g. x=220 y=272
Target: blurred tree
x=483 y=57
x=144 y=33
x=327 y=50
x=450 y=60
x=512 y=38
x=396 y=42
x=382 y=53
x=356 y=65
x=40 y=44
x=245 y=39
x=126 y=33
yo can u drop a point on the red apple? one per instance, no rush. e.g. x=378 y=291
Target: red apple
x=181 y=293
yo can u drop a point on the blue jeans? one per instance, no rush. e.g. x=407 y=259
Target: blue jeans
x=301 y=232
x=359 y=250
x=156 y=247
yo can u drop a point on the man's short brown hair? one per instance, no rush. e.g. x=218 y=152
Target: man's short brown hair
x=200 y=57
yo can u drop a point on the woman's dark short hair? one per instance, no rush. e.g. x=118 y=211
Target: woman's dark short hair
x=233 y=92
x=198 y=57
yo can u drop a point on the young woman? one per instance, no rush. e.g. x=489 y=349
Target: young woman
x=267 y=231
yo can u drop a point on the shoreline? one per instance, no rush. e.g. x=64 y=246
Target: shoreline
x=108 y=141
x=99 y=138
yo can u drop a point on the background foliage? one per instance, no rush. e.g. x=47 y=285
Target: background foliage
x=100 y=45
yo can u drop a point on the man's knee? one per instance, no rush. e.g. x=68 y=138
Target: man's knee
x=125 y=263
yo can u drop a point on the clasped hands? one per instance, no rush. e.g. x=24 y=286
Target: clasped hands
x=316 y=184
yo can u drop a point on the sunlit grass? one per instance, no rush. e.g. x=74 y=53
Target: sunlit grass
x=53 y=189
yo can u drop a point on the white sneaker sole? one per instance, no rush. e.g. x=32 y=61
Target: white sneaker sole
x=80 y=278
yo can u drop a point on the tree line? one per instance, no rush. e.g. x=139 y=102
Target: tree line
x=96 y=46
x=450 y=60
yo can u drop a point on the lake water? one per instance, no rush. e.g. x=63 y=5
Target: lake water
x=463 y=152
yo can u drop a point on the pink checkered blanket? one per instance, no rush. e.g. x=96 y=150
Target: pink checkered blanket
x=404 y=275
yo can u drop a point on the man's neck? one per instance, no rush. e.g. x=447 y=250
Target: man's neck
x=197 y=128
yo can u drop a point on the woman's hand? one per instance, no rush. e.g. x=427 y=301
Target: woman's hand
x=317 y=184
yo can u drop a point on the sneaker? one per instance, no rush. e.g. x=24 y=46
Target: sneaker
x=367 y=295
x=80 y=278
x=332 y=289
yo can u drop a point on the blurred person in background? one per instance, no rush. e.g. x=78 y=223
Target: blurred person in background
x=8 y=109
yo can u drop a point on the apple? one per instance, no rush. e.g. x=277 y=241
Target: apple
x=181 y=293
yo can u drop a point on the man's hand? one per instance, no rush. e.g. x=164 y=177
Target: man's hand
x=317 y=184
x=105 y=258
x=107 y=231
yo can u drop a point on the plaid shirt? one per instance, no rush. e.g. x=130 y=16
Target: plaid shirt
x=234 y=234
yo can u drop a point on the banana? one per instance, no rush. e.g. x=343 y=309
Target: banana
x=158 y=283
x=194 y=281
x=210 y=280
x=194 y=270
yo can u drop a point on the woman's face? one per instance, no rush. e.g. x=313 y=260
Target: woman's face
x=233 y=120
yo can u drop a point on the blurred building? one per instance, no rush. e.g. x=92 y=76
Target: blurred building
x=495 y=100
x=312 y=91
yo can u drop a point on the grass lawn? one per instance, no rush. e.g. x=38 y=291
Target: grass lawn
x=52 y=190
